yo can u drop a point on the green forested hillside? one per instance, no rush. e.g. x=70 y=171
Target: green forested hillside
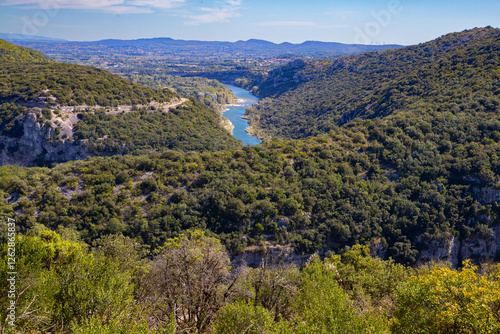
x=414 y=175
x=457 y=73
x=210 y=92
x=26 y=75
x=72 y=85
x=192 y=127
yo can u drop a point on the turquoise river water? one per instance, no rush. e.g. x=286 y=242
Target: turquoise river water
x=235 y=112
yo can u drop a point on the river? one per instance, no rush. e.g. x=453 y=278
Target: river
x=234 y=113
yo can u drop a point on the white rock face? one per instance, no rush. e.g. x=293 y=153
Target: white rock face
x=480 y=248
x=35 y=146
x=254 y=258
x=454 y=249
x=487 y=195
x=441 y=250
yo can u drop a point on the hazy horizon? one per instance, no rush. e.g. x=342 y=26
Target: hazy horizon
x=27 y=37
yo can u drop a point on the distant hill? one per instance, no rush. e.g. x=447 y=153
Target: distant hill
x=265 y=48
x=456 y=73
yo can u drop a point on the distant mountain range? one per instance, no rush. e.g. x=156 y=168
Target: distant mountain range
x=305 y=47
x=253 y=48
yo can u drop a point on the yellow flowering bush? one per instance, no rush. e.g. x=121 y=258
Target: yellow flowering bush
x=442 y=300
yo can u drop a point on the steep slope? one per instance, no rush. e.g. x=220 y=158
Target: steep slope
x=42 y=102
x=12 y=53
x=457 y=72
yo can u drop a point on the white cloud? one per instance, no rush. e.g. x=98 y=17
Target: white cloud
x=288 y=24
x=109 y=6
x=218 y=11
x=162 y=4
x=120 y=9
x=65 y=3
x=335 y=26
x=222 y=11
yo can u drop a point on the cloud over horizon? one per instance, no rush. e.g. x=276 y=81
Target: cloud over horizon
x=287 y=24
x=220 y=12
x=107 y=6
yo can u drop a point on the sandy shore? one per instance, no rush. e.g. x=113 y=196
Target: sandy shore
x=239 y=103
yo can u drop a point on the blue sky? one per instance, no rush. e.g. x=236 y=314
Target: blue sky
x=346 y=21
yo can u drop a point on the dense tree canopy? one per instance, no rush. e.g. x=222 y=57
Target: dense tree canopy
x=191 y=127
x=394 y=180
x=72 y=85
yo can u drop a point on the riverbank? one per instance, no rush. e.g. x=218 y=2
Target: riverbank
x=226 y=124
x=239 y=103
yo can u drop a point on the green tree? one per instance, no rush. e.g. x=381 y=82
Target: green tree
x=322 y=306
x=371 y=283
x=59 y=283
x=241 y=317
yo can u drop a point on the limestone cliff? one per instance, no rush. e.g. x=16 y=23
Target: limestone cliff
x=455 y=249
x=487 y=195
x=254 y=257
x=38 y=144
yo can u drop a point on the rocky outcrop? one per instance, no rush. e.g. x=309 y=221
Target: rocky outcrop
x=226 y=124
x=487 y=195
x=38 y=144
x=443 y=249
x=453 y=249
x=253 y=256
x=479 y=248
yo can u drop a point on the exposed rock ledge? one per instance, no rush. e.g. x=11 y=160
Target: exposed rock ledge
x=36 y=145
x=41 y=145
x=454 y=249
